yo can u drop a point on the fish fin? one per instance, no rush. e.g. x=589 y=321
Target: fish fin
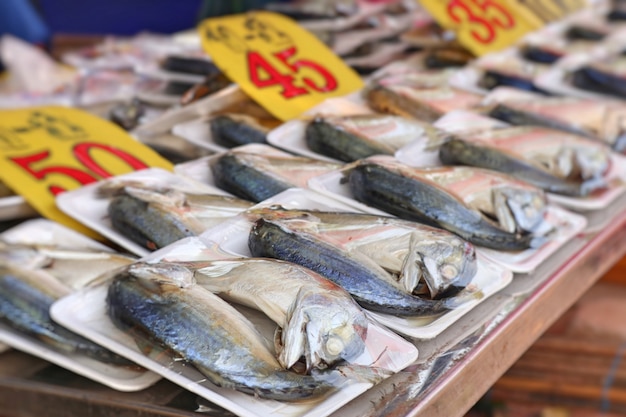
x=506 y=220
x=293 y=337
x=412 y=270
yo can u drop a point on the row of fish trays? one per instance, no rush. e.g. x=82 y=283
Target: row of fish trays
x=135 y=211
x=458 y=275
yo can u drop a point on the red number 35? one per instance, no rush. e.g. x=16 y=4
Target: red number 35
x=460 y=11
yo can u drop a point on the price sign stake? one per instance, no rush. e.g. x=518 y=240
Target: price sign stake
x=282 y=66
x=48 y=150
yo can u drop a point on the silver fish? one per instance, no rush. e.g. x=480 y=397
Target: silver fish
x=555 y=161
x=516 y=206
x=423 y=95
x=25 y=299
x=369 y=284
x=154 y=216
x=162 y=303
x=410 y=252
x=231 y=130
x=595 y=119
x=401 y=190
x=319 y=320
x=256 y=177
x=348 y=138
x=74 y=267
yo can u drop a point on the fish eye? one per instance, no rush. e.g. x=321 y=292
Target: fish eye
x=334 y=346
x=449 y=271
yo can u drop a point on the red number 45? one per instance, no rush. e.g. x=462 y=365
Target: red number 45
x=258 y=63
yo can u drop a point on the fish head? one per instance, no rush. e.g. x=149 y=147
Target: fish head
x=592 y=163
x=323 y=329
x=519 y=209
x=163 y=273
x=302 y=220
x=449 y=264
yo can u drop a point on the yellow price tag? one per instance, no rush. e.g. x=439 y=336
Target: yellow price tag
x=484 y=26
x=285 y=68
x=48 y=150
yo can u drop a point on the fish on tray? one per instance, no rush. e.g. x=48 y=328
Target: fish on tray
x=605 y=77
x=155 y=216
x=348 y=138
x=257 y=177
x=595 y=119
x=421 y=96
x=318 y=319
x=26 y=296
x=556 y=161
x=234 y=129
x=493 y=78
x=416 y=258
x=160 y=303
x=487 y=209
x=74 y=267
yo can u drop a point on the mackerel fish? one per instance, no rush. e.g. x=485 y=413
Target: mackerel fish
x=595 y=119
x=348 y=138
x=370 y=285
x=421 y=259
x=555 y=161
x=25 y=299
x=318 y=319
x=413 y=100
x=74 y=267
x=605 y=76
x=422 y=196
x=233 y=129
x=160 y=303
x=155 y=216
x=257 y=177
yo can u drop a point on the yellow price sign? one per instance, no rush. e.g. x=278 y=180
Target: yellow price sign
x=279 y=64
x=48 y=150
x=484 y=26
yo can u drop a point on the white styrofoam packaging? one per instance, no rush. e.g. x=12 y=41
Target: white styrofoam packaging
x=384 y=349
x=85 y=205
x=564 y=226
x=232 y=236
x=46 y=232
x=15 y=207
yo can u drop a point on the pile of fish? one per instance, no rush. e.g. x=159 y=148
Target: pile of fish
x=317 y=274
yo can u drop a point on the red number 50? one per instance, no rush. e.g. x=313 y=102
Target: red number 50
x=82 y=154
